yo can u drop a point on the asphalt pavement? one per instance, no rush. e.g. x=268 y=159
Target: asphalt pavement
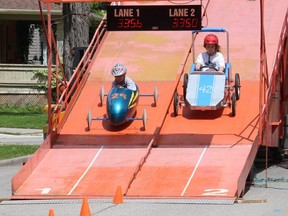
x=267 y=195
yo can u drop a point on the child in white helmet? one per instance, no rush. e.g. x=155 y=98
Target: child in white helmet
x=121 y=80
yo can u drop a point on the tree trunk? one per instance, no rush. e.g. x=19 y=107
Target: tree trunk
x=76 y=32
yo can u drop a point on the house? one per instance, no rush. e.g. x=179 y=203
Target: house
x=22 y=39
x=23 y=49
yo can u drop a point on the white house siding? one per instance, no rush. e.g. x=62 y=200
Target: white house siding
x=39 y=46
x=35 y=47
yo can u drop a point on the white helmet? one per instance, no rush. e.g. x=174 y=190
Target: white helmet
x=118 y=69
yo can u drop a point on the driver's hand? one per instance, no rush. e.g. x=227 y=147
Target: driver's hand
x=211 y=65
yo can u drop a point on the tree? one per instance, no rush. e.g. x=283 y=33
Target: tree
x=76 y=31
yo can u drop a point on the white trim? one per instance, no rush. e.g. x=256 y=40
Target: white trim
x=29 y=12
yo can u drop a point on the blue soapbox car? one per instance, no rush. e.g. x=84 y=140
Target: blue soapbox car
x=210 y=89
x=121 y=106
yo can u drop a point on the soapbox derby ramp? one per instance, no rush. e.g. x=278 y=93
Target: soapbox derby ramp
x=200 y=155
x=207 y=154
x=207 y=157
x=94 y=162
x=91 y=162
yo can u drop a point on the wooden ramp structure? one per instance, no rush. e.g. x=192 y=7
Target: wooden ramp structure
x=198 y=156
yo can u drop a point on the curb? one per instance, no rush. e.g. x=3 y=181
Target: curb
x=14 y=161
x=21 y=131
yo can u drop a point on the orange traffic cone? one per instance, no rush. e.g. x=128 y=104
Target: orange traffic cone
x=51 y=212
x=118 y=197
x=85 y=209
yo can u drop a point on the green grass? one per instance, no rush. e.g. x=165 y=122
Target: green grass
x=31 y=117
x=11 y=151
x=22 y=117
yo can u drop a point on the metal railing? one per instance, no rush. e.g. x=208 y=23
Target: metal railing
x=72 y=87
x=268 y=89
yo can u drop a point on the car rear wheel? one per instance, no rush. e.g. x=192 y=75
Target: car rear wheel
x=175 y=104
x=144 y=119
x=89 y=119
x=237 y=86
x=185 y=84
x=233 y=101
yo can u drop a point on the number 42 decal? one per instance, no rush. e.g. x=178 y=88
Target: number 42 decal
x=215 y=192
x=205 y=89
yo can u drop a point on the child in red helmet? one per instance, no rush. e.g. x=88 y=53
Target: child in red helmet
x=212 y=58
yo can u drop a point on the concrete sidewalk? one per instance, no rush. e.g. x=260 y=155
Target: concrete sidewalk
x=21 y=131
x=21 y=136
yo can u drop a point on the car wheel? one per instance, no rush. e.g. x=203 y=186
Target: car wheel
x=237 y=86
x=233 y=101
x=175 y=104
x=185 y=84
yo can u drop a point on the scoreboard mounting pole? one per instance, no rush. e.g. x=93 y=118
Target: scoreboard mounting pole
x=154 y=18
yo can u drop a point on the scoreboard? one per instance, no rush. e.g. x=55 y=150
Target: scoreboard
x=154 y=18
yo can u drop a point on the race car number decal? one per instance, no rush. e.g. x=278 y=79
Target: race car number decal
x=207 y=89
x=116 y=95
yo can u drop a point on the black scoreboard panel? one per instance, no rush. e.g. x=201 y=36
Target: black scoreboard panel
x=154 y=18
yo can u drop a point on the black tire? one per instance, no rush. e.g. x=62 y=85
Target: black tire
x=185 y=84
x=233 y=103
x=175 y=104
x=237 y=86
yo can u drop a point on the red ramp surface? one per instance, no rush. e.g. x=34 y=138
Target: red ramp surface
x=200 y=155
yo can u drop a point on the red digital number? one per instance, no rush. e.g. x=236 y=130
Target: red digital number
x=175 y=23
x=132 y=23
x=183 y=23
x=194 y=22
x=129 y=23
x=120 y=23
x=138 y=24
x=135 y=23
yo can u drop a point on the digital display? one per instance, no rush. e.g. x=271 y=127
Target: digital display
x=154 y=18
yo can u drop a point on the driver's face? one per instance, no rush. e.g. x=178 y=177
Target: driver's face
x=210 y=48
x=120 y=78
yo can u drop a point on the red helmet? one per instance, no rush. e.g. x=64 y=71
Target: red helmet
x=211 y=39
